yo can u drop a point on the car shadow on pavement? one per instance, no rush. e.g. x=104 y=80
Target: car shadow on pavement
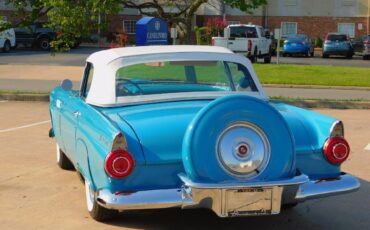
x=348 y=211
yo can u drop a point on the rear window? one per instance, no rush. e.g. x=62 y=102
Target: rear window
x=295 y=37
x=182 y=76
x=243 y=32
x=337 y=37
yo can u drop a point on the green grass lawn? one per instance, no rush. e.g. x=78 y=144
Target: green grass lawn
x=313 y=75
x=288 y=74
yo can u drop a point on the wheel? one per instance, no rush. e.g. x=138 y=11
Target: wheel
x=349 y=56
x=7 y=46
x=96 y=211
x=324 y=55
x=44 y=43
x=242 y=143
x=365 y=57
x=289 y=206
x=267 y=59
x=254 y=57
x=307 y=54
x=312 y=53
x=62 y=159
x=284 y=54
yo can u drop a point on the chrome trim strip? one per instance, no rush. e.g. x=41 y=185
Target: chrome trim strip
x=243 y=184
x=322 y=188
x=150 y=199
x=335 y=123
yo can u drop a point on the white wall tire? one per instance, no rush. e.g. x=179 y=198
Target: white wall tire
x=90 y=196
x=96 y=211
x=62 y=159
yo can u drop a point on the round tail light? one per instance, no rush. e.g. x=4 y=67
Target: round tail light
x=336 y=150
x=119 y=164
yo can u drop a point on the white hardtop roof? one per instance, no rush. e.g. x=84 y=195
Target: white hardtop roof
x=106 y=63
x=107 y=56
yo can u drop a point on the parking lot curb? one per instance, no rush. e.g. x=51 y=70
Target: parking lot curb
x=306 y=103
x=329 y=104
x=317 y=87
x=24 y=97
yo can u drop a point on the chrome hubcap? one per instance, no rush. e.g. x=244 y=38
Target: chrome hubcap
x=243 y=150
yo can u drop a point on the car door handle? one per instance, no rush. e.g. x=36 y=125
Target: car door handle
x=77 y=113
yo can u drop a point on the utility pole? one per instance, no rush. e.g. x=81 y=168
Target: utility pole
x=368 y=13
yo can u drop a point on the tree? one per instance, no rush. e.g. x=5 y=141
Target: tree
x=180 y=13
x=80 y=17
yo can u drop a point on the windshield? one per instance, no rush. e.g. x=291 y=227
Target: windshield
x=182 y=76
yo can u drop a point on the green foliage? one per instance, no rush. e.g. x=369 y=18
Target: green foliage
x=75 y=19
x=245 y=5
x=79 y=18
x=318 y=42
x=202 y=35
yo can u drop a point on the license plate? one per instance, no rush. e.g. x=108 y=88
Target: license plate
x=253 y=201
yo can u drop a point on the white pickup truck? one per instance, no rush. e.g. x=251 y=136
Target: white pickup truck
x=249 y=40
x=7 y=40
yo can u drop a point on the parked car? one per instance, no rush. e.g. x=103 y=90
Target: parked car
x=35 y=35
x=362 y=46
x=298 y=44
x=337 y=44
x=250 y=40
x=191 y=127
x=7 y=40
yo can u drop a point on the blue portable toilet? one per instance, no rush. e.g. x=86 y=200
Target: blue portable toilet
x=151 y=31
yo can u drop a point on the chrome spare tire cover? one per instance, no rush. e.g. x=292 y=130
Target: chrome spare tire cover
x=238 y=137
x=243 y=149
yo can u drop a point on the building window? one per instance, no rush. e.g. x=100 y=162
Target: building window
x=347 y=28
x=233 y=22
x=348 y=2
x=129 y=26
x=288 y=28
x=290 y=2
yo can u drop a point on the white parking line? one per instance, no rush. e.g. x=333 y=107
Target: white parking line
x=24 y=126
x=367 y=147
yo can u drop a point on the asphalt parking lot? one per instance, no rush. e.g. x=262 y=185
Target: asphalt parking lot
x=36 y=194
x=77 y=57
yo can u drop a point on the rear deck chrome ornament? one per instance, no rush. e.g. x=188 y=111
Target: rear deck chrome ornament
x=243 y=150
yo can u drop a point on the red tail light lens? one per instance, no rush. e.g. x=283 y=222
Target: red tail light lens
x=367 y=42
x=119 y=164
x=336 y=150
x=249 y=45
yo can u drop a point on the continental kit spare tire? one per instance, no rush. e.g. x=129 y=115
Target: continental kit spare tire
x=238 y=137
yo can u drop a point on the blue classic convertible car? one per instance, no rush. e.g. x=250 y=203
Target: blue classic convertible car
x=191 y=127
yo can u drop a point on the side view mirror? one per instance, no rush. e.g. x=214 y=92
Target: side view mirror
x=66 y=85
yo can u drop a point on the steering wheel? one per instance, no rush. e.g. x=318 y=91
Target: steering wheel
x=124 y=90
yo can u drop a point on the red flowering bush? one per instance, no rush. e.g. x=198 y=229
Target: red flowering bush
x=215 y=26
x=120 y=40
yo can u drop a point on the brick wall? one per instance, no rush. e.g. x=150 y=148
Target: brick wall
x=318 y=26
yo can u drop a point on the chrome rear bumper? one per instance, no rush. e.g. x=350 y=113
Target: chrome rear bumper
x=214 y=196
